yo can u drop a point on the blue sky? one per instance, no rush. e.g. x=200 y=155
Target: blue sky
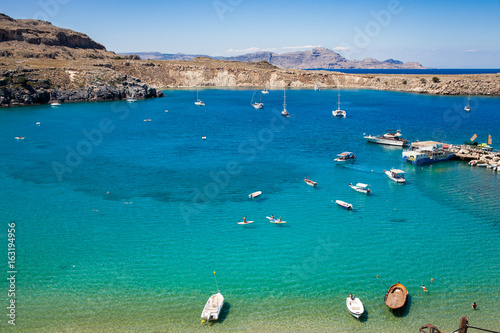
x=443 y=34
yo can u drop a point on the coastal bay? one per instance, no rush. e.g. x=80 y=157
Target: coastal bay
x=141 y=257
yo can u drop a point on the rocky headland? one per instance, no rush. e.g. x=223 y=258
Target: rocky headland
x=40 y=63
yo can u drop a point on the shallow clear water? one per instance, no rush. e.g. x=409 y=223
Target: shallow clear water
x=143 y=261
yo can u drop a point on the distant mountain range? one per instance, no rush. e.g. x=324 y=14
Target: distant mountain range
x=318 y=57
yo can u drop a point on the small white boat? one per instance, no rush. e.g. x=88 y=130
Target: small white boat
x=316 y=87
x=19 y=138
x=254 y=103
x=345 y=156
x=198 y=101
x=344 y=204
x=254 y=194
x=274 y=220
x=473 y=163
x=310 y=182
x=131 y=100
x=147 y=120
x=246 y=222
x=396 y=175
x=284 y=113
x=339 y=112
x=213 y=307
x=265 y=91
x=360 y=187
x=203 y=137
x=38 y=123
x=467 y=107
x=55 y=104
x=355 y=306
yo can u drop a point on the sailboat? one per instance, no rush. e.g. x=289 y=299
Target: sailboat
x=213 y=306
x=284 y=113
x=198 y=101
x=338 y=112
x=254 y=103
x=467 y=107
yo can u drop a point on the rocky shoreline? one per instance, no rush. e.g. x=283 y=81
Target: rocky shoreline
x=31 y=87
x=37 y=81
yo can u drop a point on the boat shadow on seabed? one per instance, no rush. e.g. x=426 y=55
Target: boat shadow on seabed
x=404 y=310
x=223 y=314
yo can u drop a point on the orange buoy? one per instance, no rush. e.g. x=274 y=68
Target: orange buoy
x=377 y=276
x=432 y=280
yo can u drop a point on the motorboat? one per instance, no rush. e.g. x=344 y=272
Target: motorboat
x=131 y=100
x=55 y=104
x=147 y=120
x=310 y=182
x=355 y=306
x=254 y=194
x=396 y=175
x=360 y=187
x=345 y=156
x=389 y=138
x=395 y=298
x=19 y=138
x=265 y=91
x=344 y=204
x=37 y=123
x=213 y=307
x=339 y=112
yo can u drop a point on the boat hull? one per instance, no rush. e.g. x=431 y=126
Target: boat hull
x=213 y=307
x=344 y=204
x=384 y=141
x=395 y=298
x=355 y=307
x=419 y=158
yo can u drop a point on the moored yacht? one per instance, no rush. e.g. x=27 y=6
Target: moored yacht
x=392 y=139
x=339 y=112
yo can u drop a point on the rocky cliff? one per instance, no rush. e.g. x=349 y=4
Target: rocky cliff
x=41 y=63
x=219 y=73
x=40 y=39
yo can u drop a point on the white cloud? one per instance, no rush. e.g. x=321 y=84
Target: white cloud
x=248 y=50
x=341 y=48
x=298 y=47
x=270 y=49
x=471 y=51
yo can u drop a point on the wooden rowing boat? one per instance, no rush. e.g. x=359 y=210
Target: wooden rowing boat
x=396 y=296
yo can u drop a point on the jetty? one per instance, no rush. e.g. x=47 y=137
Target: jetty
x=484 y=155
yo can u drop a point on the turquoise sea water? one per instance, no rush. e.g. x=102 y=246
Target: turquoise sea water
x=141 y=258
